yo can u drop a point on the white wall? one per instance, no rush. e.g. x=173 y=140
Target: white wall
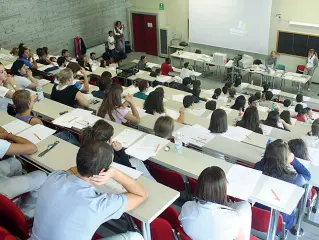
x=176 y=13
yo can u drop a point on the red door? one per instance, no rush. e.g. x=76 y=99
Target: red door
x=145 y=33
x=138 y=32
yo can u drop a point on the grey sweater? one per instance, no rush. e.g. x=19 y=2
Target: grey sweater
x=270 y=61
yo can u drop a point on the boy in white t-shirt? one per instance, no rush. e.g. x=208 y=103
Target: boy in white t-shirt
x=111 y=43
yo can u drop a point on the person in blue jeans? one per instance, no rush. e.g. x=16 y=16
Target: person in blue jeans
x=279 y=162
x=23 y=103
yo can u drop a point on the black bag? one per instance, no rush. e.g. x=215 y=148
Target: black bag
x=153 y=74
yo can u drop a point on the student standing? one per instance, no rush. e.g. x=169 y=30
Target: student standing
x=311 y=65
x=166 y=67
x=271 y=61
x=22 y=76
x=13 y=183
x=114 y=110
x=250 y=120
x=277 y=163
x=83 y=208
x=111 y=43
x=5 y=92
x=210 y=216
x=119 y=36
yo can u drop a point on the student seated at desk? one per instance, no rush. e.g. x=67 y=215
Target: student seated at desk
x=188 y=102
x=75 y=67
x=24 y=55
x=14 y=52
x=114 y=110
x=187 y=71
x=143 y=88
x=23 y=103
x=258 y=95
x=267 y=101
x=225 y=91
x=299 y=148
x=303 y=115
x=285 y=115
x=142 y=64
x=83 y=208
x=23 y=76
x=239 y=104
x=5 y=92
x=196 y=91
x=237 y=86
x=186 y=85
x=288 y=107
x=104 y=83
x=299 y=100
x=154 y=105
x=13 y=183
x=253 y=101
x=65 y=53
x=312 y=139
x=62 y=62
x=232 y=93
x=277 y=163
x=250 y=120
x=217 y=93
x=273 y=120
x=103 y=63
x=211 y=105
x=210 y=216
x=65 y=92
x=164 y=127
x=84 y=63
x=43 y=59
x=166 y=67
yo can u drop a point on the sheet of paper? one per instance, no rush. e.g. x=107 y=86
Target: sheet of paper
x=163 y=79
x=242 y=181
x=237 y=133
x=141 y=112
x=293 y=121
x=36 y=133
x=244 y=85
x=266 y=129
x=130 y=90
x=128 y=171
x=226 y=109
x=276 y=91
x=222 y=98
x=263 y=109
x=147 y=147
x=314 y=156
x=32 y=93
x=210 y=92
x=172 y=113
x=306 y=99
x=88 y=96
x=150 y=89
x=178 y=98
x=273 y=186
x=151 y=65
x=127 y=137
x=16 y=126
x=198 y=111
x=209 y=116
x=78 y=112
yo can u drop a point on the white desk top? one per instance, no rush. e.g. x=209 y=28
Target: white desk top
x=49 y=108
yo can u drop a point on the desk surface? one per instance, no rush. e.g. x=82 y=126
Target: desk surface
x=50 y=109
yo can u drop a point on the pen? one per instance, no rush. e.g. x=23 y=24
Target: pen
x=158 y=145
x=276 y=196
x=37 y=136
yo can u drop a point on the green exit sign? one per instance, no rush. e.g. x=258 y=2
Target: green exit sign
x=161 y=6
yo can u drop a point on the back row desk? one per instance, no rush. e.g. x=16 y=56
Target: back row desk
x=63 y=157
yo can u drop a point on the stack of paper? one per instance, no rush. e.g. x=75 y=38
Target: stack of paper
x=226 y=109
x=242 y=181
x=195 y=135
x=237 y=133
x=178 y=98
x=266 y=129
x=16 y=126
x=172 y=113
x=147 y=147
x=198 y=111
x=127 y=137
x=36 y=133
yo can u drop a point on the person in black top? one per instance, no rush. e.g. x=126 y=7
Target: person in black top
x=273 y=120
x=250 y=120
x=84 y=62
x=62 y=61
x=185 y=86
x=240 y=103
x=104 y=83
x=67 y=93
x=196 y=92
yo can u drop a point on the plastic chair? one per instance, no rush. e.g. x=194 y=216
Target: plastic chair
x=6 y=235
x=166 y=177
x=300 y=69
x=257 y=62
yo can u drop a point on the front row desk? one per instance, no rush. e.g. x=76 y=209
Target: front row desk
x=187 y=162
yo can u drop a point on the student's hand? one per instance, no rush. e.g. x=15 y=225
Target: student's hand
x=2 y=130
x=117 y=146
x=82 y=70
x=181 y=110
x=29 y=73
x=10 y=80
x=129 y=98
x=103 y=177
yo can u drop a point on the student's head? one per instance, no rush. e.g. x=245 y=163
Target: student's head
x=118 y=24
x=253 y=101
x=251 y=119
x=105 y=81
x=311 y=52
x=103 y=63
x=101 y=131
x=258 y=95
x=164 y=127
x=61 y=61
x=265 y=87
x=161 y=90
x=228 y=84
x=110 y=33
x=24 y=52
x=273 y=54
x=186 y=65
x=240 y=103
x=46 y=50
x=14 y=51
x=93 y=55
x=19 y=68
x=277 y=158
x=225 y=90
x=65 y=77
x=196 y=88
x=217 y=93
x=218 y=122
x=302 y=112
x=287 y=103
x=315 y=128
x=22 y=101
x=168 y=60
x=232 y=92
x=188 y=101
x=75 y=67
x=299 y=148
x=93 y=157
x=3 y=74
x=269 y=95
x=154 y=103
x=285 y=115
x=272 y=119
x=211 y=105
x=142 y=86
x=111 y=101
x=299 y=98
x=143 y=58
x=298 y=108
x=65 y=53
x=53 y=59
x=187 y=81
x=42 y=55
x=212 y=186
x=237 y=82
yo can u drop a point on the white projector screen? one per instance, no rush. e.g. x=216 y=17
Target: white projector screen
x=235 y=24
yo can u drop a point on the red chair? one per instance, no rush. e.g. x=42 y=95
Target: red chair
x=6 y=235
x=166 y=177
x=260 y=221
x=301 y=69
x=96 y=236
x=192 y=184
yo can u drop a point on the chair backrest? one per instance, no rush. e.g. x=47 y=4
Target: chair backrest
x=6 y=235
x=198 y=51
x=192 y=184
x=301 y=68
x=167 y=177
x=281 y=67
x=12 y=218
x=161 y=229
x=257 y=62
x=260 y=220
x=171 y=215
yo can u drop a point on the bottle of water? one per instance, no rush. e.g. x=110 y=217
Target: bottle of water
x=273 y=106
x=178 y=142
x=39 y=92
